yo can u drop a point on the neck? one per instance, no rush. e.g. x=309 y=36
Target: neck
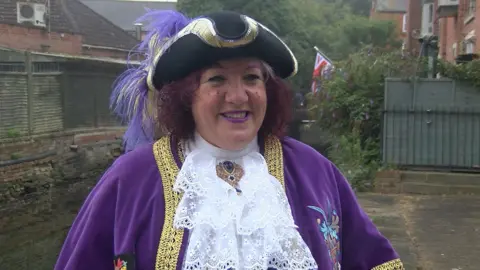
x=199 y=143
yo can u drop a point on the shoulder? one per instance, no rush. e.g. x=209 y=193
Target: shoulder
x=310 y=164
x=139 y=158
x=293 y=148
x=135 y=161
x=132 y=170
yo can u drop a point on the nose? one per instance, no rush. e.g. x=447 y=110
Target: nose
x=237 y=92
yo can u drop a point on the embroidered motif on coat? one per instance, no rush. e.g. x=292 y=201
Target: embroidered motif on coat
x=328 y=226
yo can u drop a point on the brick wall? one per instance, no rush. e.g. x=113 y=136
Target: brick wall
x=454 y=29
x=451 y=30
x=119 y=54
x=34 y=39
x=414 y=23
x=72 y=153
x=448 y=37
x=25 y=38
x=40 y=198
x=397 y=18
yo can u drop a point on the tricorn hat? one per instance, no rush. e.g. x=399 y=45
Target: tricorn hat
x=215 y=37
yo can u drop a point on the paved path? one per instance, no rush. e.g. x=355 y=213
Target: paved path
x=429 y=232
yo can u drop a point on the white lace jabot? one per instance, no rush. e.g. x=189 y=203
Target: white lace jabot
x=253 y=230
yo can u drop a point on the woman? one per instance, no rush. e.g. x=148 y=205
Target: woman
x=223 y=189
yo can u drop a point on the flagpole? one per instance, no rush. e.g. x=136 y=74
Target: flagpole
x=320 y=52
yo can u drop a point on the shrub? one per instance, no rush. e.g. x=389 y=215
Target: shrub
x=349 y=105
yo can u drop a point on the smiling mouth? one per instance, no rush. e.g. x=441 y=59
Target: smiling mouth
x=237 y=116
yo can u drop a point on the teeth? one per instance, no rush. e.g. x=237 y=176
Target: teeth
x=236 y=115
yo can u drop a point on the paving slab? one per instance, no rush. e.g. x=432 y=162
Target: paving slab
x=446 y=230
x=429 y=232
x=387 y=215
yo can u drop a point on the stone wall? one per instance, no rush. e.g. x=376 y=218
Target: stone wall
x=427 y=182
x=67 y=153
x=42 y=188
x=388 y=181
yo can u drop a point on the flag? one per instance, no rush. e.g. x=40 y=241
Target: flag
x=322 y=64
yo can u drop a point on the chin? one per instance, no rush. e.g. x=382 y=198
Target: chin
x=237 y=140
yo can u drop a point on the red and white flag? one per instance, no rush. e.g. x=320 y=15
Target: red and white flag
x=321 y=64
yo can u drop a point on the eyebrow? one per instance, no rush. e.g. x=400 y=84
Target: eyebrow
x=254 y=65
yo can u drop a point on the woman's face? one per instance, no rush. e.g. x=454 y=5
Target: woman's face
x=230 y=103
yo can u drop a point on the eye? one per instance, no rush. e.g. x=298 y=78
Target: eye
x=216 y=79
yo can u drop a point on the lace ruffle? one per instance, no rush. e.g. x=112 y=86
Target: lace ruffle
x=254 y=230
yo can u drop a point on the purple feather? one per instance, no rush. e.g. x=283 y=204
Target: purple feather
x=131 y=98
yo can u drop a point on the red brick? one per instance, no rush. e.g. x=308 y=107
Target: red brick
x=119 y=54
x=32 y=39
x=22 y=38
x=414 y=22
x=450 y=30
x=66 y=17
x=97 y=137
x=453 y=30
x=397 y=18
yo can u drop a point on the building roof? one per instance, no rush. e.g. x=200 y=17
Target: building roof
x=72 y=16
x=125 y=13
x=391 y=5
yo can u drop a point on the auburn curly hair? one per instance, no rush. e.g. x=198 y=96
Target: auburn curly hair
x=175 y=111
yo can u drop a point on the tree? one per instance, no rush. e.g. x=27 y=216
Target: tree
x=360 y=7
x=278 y=15
x=302 y=24
x=359 y=32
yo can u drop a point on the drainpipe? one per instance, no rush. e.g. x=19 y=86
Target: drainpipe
x=138 y=30
x=138 y=35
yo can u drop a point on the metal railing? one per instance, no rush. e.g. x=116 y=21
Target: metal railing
x=445 y=137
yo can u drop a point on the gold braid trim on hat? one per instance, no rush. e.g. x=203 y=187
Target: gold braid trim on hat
x=171 y=239
x=390 y=265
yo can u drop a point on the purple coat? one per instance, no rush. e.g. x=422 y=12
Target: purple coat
x=128 y=216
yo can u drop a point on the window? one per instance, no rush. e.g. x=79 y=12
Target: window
x=469 y=46
x=471 y=7
x=427 y=19
x=430 y=13
x=404 y=25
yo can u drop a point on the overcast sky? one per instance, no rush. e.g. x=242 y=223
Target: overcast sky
x=135 y=0
x=149 y=0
